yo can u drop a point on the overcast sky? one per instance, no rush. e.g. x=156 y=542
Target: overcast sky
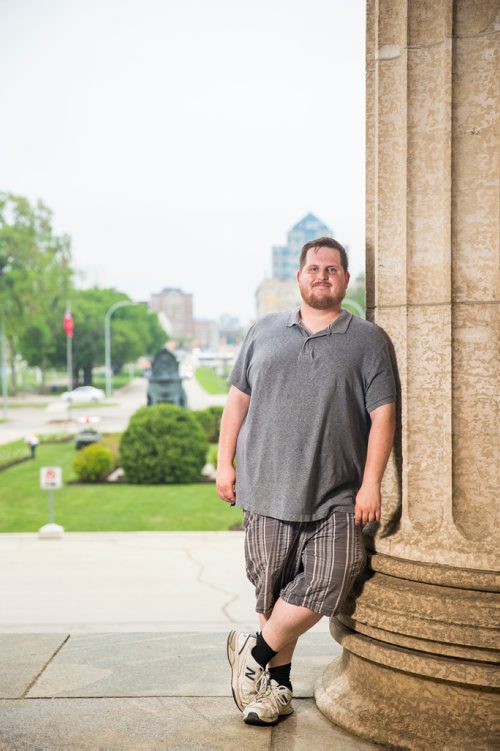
x=177 y=141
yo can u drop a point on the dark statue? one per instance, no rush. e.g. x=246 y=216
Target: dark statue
x=165 y=384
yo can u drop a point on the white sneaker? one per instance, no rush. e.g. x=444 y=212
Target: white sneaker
x=246 y=672
x=272 y=702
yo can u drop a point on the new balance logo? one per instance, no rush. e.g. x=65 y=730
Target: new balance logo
x=250 y=674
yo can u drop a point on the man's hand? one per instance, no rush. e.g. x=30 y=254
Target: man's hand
x=232 y=419
x=225 y=484
x=368 y=499
x=368 y=504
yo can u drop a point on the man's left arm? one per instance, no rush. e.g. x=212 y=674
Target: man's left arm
x=368 y=499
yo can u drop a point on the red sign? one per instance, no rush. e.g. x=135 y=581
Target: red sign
x=68 y=323
x=50 y=478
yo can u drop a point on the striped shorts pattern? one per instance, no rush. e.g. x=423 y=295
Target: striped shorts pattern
x=312 y=564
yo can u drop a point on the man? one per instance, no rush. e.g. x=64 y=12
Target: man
x=310 y=416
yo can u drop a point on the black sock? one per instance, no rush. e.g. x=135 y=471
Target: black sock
x=281 y=674
x=262 y=652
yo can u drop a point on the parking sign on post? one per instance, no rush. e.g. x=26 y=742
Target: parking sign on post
x=51 y=479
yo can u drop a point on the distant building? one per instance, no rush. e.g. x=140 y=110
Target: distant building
x=276 y=295
x=177 y=307
x=286 y=257
x=206 y=334
x=281 y=292
x=230 y=329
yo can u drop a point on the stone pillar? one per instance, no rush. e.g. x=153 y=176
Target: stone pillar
x=420 y=634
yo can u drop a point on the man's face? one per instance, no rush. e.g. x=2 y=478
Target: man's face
x=323 y=281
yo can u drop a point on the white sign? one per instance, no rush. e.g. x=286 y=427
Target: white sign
x=50 y=478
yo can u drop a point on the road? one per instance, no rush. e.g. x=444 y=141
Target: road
x=55 y=418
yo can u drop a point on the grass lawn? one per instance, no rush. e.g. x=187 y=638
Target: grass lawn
x=210 y=381
x=92 y=405
x=112 y=507
x=27 y=405
x=117 y=380
x=11 y=452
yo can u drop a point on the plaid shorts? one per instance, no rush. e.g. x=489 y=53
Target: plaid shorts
x=312 y=564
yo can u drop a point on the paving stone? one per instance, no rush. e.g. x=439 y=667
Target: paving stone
x=308 y=729
x=141 y=724
x=150 y=664
x=22 y=657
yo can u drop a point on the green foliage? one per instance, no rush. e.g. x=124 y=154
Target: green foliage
x=111 y=441
x=16 y=450
x=209 y=420
x=119 y=380
x=35 y=278
x=13 y=452
x=134 y=331
x=35 y=288
x=356 y=293
x=163 y=444
x=93 y=463
x=106 y=506
x=212 y=454
x=210 y=381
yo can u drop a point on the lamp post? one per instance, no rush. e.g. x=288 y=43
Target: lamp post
x=107 y=340
x=3 y=365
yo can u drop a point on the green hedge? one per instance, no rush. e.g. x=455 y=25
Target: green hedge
x=209 y=420
x=93 y=463
x=163 y=443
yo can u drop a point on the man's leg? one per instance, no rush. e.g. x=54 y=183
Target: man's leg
x=285 y=655
x=284 y=626
x=281 y=629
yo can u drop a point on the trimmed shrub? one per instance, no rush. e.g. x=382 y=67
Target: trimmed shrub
x=163 y=444
x=93 y=463
x=209 y=420
x=213 y=454
x=111 y=441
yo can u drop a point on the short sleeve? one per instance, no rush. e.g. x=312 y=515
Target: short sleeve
x=380 y=383
x=239 y=375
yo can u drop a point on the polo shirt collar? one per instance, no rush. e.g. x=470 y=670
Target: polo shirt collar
x=338 y=326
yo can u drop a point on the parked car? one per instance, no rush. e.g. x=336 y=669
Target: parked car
x=83 y=394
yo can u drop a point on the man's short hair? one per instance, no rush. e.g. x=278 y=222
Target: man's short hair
x=324 y=242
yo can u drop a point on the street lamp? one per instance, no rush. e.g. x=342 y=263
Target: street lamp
x=107 y=340
x=3 y=365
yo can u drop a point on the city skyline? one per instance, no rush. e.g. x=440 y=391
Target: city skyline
x=188 y=138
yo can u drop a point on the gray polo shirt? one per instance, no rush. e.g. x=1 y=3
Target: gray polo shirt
x=302 y=447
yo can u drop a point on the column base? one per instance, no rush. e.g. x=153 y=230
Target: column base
x=404 y=710
x=419 y=668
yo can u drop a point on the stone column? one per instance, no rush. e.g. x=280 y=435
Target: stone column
x=420 y=634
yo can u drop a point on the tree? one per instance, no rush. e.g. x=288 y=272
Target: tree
x=134 y=331
x=356 y=293
x=35 y=278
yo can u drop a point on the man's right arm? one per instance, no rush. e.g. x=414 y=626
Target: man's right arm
x=232 y=419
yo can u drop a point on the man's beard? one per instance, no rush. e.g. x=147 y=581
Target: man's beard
x=320 y=302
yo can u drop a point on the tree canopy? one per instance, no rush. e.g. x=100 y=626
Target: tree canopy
x=36 y=285
x=35 y=277
x=134 y=331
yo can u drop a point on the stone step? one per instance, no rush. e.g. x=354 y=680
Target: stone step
x=145 y=691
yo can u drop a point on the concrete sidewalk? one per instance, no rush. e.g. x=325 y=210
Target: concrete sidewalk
x=117 y=641
x=125 y=581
